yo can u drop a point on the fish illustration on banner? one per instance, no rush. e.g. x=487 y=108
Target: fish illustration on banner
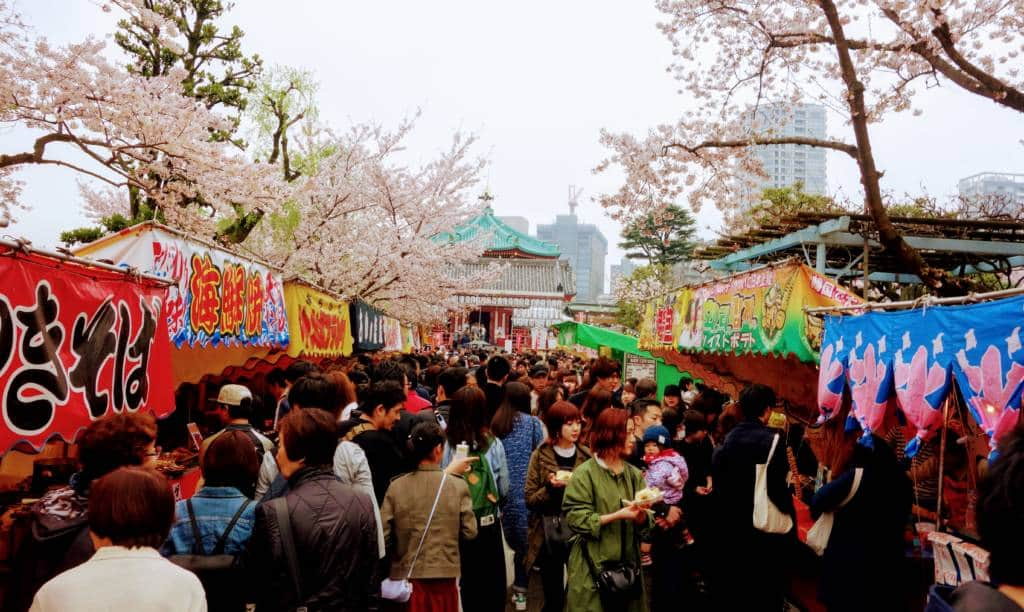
x=870 y=378
x=978 y=345
x=831 y=378
x=921 y=387
x=992 y=391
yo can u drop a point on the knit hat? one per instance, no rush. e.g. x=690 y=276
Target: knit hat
x=657 y=433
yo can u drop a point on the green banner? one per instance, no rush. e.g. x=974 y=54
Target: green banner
x=759 y=312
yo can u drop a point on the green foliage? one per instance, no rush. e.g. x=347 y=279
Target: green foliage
x=217 y=72
x=83 y=235
x=921 y=208
x=109 y=225
x=779 y=202
x=284 y=118
x=662 y=238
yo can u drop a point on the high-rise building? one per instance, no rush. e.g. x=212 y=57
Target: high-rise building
x=791 y=163
x=994 y=185
x=584 y=246
x=621 y=270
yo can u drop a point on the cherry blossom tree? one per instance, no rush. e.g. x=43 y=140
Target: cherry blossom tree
x=99 y=121
x=861 y=58
x=634 y=292
x=365 y=226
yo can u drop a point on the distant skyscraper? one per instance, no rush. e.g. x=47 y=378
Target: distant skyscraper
x=993 y=185
x=584 y=246
x=621 y=270
x=789 y=164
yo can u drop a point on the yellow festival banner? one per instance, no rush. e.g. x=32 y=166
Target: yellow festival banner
x=759 y=312
x=320 y=323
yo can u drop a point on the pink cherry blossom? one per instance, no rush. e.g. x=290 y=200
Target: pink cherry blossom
x=124 y=129
x=732 y=56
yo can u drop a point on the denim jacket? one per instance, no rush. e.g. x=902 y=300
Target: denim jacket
x=214 y=507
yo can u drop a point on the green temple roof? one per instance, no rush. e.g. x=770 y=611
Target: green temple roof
x=505 y=240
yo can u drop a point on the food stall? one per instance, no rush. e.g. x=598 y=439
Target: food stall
x=78 y=340
x=953 y=369
x=747 y=328
x=223 y=310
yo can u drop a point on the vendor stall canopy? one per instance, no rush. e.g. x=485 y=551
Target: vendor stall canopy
x=909 y=360
x=218 y=298
x=590 y=340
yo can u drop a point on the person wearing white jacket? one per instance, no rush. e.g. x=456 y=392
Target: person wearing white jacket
x=130 y=514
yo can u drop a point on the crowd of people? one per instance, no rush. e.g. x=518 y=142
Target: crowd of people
x=397 y=483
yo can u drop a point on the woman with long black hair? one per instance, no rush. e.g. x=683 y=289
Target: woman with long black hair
x=520 y=434
x=482 y=582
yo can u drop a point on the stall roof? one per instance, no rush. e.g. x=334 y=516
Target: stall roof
x=595 y=337
x=834 y=245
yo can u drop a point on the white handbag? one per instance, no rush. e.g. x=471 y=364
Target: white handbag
x=401 y=590
x=817 y=536
x=767 y=517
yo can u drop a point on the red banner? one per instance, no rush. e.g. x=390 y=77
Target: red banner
x=77 y=343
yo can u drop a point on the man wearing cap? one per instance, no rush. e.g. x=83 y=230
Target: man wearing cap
x=235 y=403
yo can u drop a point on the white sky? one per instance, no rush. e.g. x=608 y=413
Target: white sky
x=535 y=80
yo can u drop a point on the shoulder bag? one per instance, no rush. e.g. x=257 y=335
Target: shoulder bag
x=556 y=533
x=401 y=590
x=818 y=535
x=617 y=581
x=284 y=525
x=767 y=517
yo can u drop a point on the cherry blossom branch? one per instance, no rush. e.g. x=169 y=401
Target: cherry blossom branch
x=842 y=147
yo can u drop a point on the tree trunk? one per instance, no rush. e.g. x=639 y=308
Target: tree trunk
x=888 y=236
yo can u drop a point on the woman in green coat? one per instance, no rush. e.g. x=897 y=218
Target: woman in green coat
x=594 y=509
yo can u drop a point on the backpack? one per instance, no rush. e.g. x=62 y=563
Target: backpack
x=222 y=576
x=483 y=489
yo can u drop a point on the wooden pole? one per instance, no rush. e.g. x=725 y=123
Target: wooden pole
x=942 y=463
x=867 y=270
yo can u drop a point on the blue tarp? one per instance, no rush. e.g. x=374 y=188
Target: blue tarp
x=907 y=359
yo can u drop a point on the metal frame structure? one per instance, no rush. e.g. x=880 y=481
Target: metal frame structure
x=837 y=245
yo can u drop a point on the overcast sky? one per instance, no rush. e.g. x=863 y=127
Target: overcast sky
x=535 y=80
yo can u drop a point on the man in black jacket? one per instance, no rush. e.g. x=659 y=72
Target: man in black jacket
x=746 y=556
x=498 y=368
x=334 y=533
x=448 y=382
x=371 y=430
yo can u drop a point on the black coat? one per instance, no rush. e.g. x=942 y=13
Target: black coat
x=744 y=555
x=335 y=536
x=383 y=454
x=866 y=533
x=732 y=472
